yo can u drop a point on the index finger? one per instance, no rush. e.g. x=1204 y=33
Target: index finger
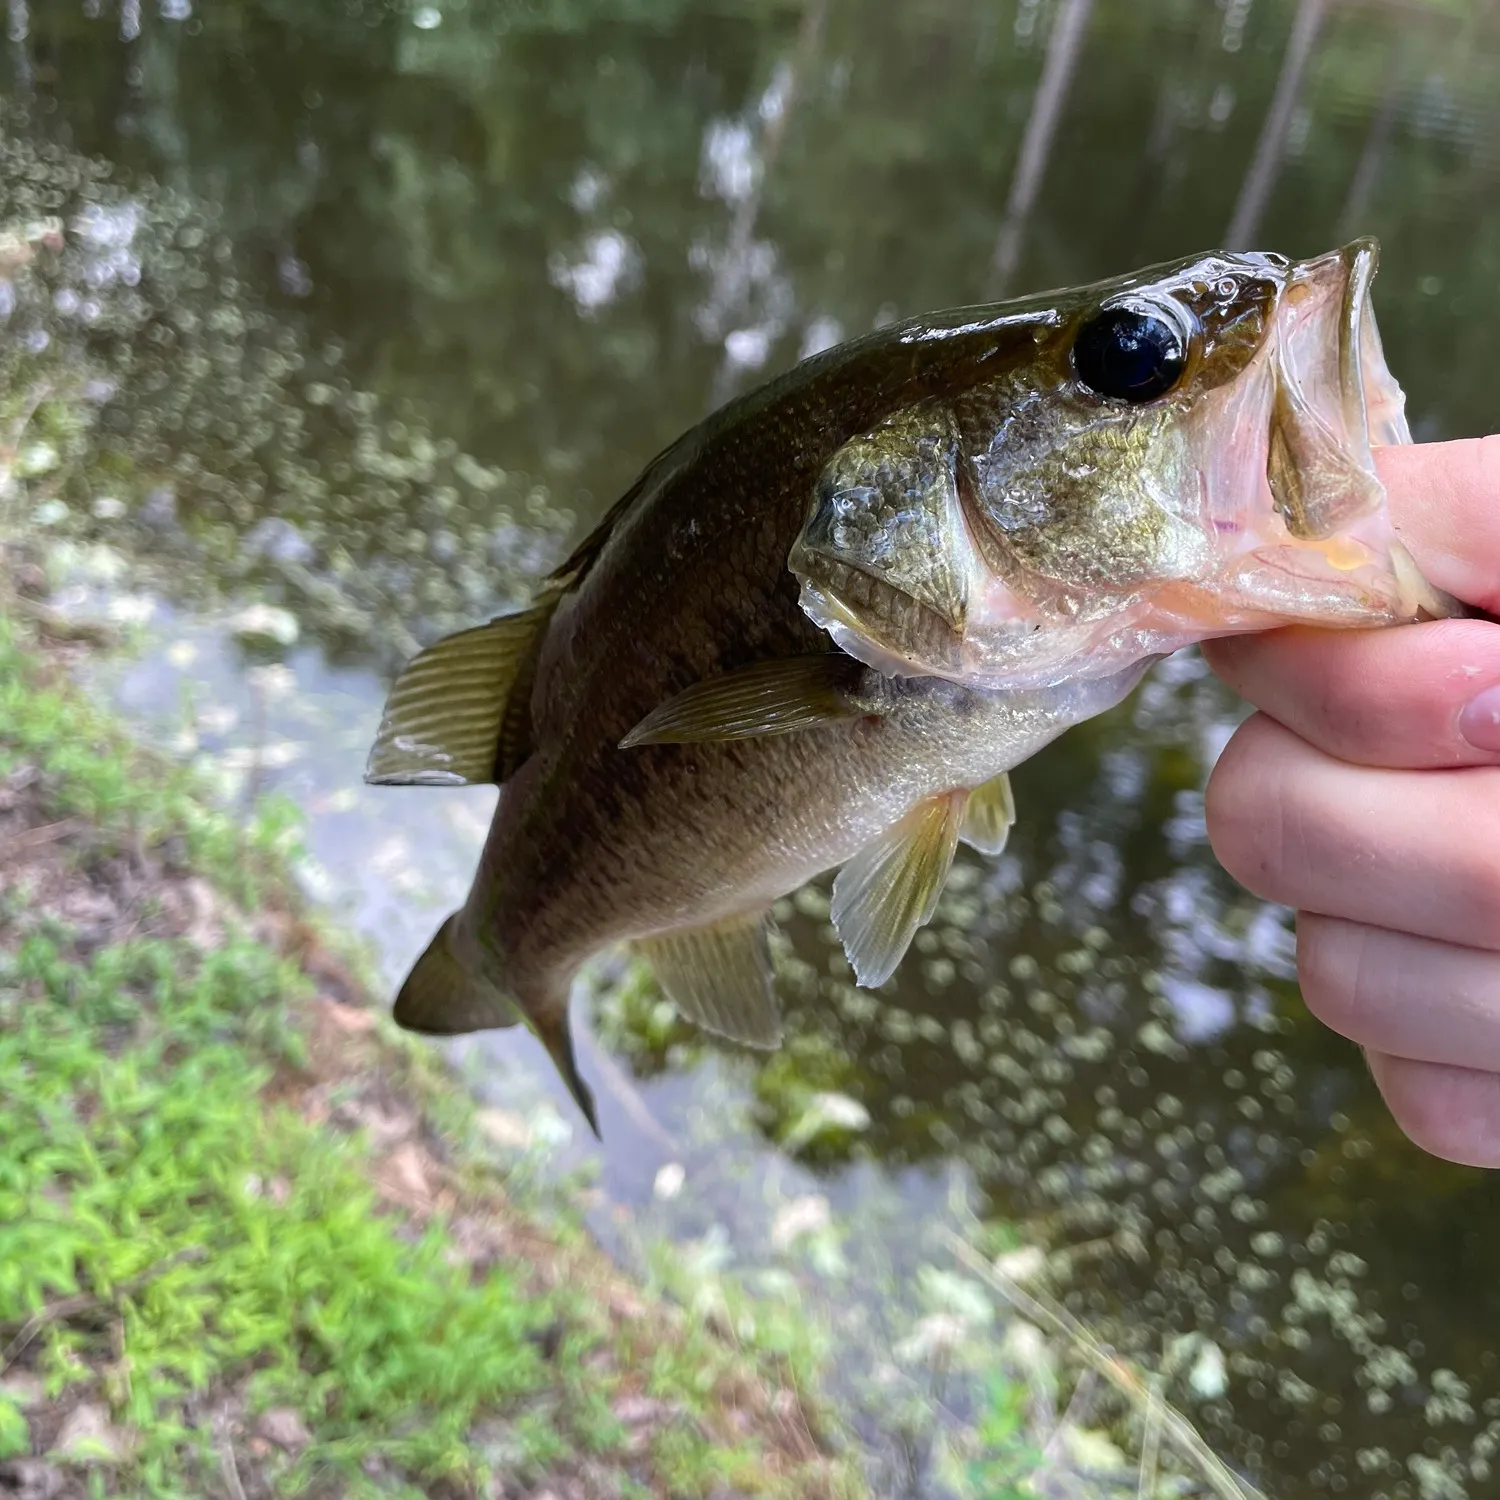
x=1445 y=502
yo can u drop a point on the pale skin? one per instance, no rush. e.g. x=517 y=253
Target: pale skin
x=1365 y=793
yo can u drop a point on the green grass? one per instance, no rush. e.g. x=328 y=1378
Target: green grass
x=172 y=1242
x=159 y=1156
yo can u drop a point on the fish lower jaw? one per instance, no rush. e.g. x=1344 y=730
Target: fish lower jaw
x=1265 y=583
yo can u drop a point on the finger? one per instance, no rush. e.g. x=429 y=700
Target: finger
x=1417 y=854
x=1445 y=502
x=1425 y=695
x=1409 y=996
x=1449 y=1112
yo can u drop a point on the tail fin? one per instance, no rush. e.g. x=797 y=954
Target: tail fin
x=443 y=996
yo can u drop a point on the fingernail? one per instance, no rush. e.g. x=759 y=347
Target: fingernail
x=1479 y=723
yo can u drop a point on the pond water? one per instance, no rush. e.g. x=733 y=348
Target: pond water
x=360 y=311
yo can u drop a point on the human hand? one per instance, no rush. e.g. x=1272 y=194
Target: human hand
x=1366 y=794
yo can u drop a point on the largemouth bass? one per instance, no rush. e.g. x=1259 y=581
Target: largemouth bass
x=823 y=625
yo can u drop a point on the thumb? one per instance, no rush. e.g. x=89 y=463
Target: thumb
x=1445 y=502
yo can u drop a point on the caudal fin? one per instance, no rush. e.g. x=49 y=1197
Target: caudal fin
x=443 y=996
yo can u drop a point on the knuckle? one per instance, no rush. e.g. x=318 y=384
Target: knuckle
x=1330 y=971
x=1246 y=806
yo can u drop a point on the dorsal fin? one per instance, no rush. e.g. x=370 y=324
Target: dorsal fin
x=460 y=712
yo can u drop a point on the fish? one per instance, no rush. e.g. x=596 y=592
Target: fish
x=821 y=628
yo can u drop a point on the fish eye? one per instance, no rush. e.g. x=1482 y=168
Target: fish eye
x=1131 y=353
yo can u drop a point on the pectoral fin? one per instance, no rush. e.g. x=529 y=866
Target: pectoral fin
x=988 y=815
x=459 y=713
x=719 y=977
x=891 y=887
x=771 y=697
x=442 y=997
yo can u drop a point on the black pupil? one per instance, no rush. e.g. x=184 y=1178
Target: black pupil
x=1129 y=355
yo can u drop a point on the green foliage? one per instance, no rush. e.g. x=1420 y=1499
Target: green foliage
x=15 y=1432
x=163 y=1158
x=232 y=1241
x=1006 y=1452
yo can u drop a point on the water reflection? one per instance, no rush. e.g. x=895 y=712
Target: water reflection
x=378 y=304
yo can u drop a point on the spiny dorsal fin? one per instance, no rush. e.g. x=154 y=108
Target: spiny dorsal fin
x=988 y=815
x=719 y=977
x=460 y=712
x=441 y=997
x=770 y=697
x=891 y=887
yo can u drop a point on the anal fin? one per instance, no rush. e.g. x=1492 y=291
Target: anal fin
x=769 y=697
x=891 y=887
x=988 y=815
x=459 y=712
x=719 y=977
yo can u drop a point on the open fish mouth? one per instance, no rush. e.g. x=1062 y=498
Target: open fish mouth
x=1334 y=402
x=1334 y=395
